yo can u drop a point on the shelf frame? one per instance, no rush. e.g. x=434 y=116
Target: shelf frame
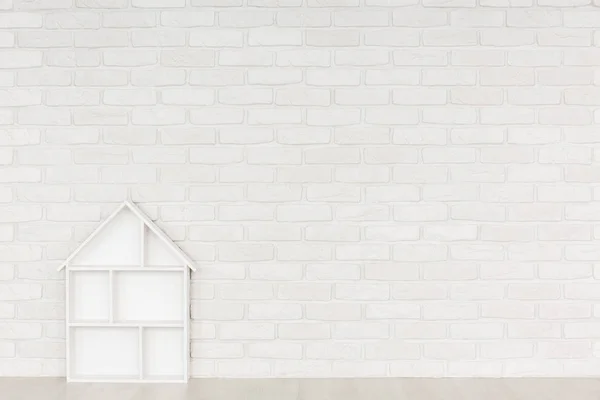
x=179 y=264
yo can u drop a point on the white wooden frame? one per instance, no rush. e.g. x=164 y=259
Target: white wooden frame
x=112 y=336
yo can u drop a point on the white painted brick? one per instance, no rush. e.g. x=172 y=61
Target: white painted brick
x=270 y=36
x=388 y=77
x=20 y=330
x=564 y=76
x=364 y=330
x=333 y=351
x=333 y=311
x=449 y=77
x=188 y=58
x=507 y=309
x=304 y=252
x=477 y=57
x=392 y=37
x=420 y=330
x=474 y=331
x=332 y=38
x=421 y=291
x=506 y=350
x=393 y=311
x=217 y=311
x=334 y=271
x=303 y=331
x=449 y=37
x=363 y=292
x=449 y=351
x=304 y=291
x=126 y=19
x=534 y=58
x=246 y=331
x=187 y=19
x=276 y=350
x=455 y=311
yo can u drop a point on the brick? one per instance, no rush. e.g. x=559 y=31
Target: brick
x=533 y=18
x=21 y=20
x=420 y=330
x=334 y=271
x=236 y=174
x=304 y=252
x=18 y=252
x=400 y=37
x=126 y=19
x=391 y=77
x=449 y=351
x=352 y=330
x=332 y=38
x=246 y=331
x=303 y=331
x=271 y=36
x=507 y=309
x=246 y=213
x=158 y=77
x=187 y=58
x=20 y=330
x=105 y=77
x=333 y=351
x=449 y=77
x=455 y=311
x=534 y=58
x=477 y=57
x=303 y=58
x=187 y=19
x=362 y=212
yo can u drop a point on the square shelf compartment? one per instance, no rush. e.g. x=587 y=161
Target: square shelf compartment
x=90 y=296
x=145 y=296
x=105 y=353
x=163 y=354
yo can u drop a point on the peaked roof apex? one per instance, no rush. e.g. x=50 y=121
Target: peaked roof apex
x=147 y=221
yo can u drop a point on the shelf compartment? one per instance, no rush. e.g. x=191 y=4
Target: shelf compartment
x=148 y=296
x=118 y=243
x=90 y=296
x=163 y=354
x=156 y=251
x=104 y=353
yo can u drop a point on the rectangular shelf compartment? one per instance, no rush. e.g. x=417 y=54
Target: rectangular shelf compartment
x=163 y=354
x=103 y=353
x=148 y=296
x=89 y=296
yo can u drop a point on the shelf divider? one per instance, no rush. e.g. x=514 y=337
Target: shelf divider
x=141 y=352
x=143 y=245
x=128 y=324
x=111 y=297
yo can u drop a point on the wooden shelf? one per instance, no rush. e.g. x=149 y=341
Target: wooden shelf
x=139 y=268
x=164 y=378
x=105 y=378
x=128 y=305
x=128 y=324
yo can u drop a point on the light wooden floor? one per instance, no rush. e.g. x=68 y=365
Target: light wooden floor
x=309 y=389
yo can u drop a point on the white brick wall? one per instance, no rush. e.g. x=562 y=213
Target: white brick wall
x=370 y=187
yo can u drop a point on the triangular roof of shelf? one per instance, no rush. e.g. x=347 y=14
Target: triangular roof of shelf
x=133 y=208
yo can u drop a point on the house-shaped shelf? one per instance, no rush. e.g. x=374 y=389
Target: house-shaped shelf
x=127 y=303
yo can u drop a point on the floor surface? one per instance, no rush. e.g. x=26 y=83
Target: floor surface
x=308 y=389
